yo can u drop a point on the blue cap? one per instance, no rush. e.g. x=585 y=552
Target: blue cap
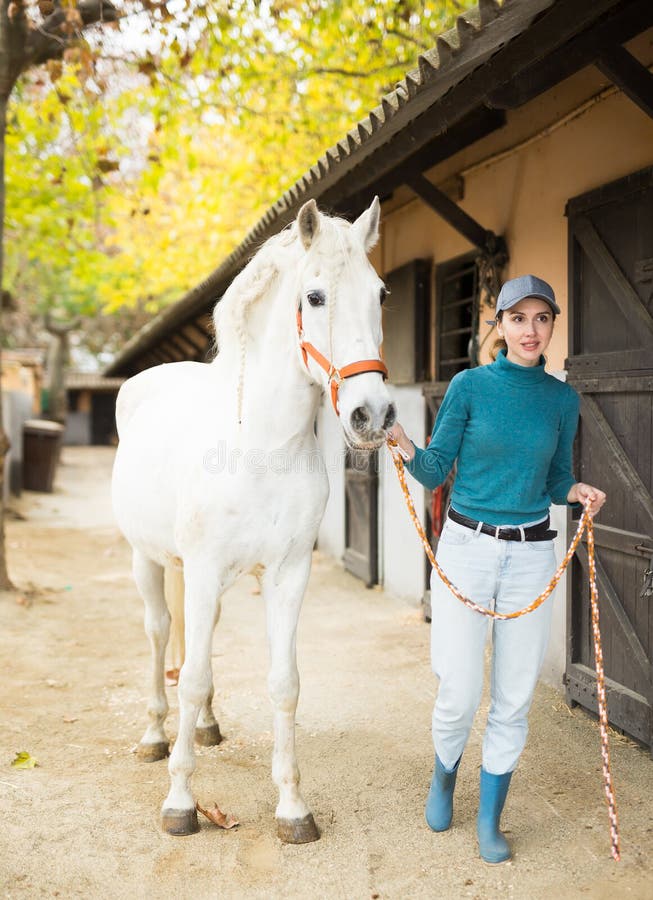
x=526 y=286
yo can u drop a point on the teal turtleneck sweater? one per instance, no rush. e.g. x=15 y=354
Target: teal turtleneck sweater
x=511 y=429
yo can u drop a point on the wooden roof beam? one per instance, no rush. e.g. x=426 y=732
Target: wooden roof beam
x=184 y=346
x=629 y=75
x=621 y=25
x=160 y=357
x=148 y=360
x=451 y=212
x=167 y=351
x=197 y=336
x=190 y=338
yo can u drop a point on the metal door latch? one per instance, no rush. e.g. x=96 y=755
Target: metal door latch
x=647 y=586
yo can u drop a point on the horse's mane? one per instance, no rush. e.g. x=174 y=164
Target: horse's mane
x=251 y=284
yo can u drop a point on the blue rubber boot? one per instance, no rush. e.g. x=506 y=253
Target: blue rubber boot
x=439 y=803
x=492 y=844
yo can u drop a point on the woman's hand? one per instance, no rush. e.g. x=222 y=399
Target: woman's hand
x=582 y=493
x=400 y=436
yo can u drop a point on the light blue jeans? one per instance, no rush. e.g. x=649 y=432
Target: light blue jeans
x=505 y=576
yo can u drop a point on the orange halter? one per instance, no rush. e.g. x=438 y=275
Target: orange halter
x=336 y=376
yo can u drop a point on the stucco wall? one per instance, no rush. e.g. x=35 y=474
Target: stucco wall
x=402 y=557
x=24 y=378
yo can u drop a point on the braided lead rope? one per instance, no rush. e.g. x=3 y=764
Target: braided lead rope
x=584 y=524
x=601 y=698
x=483 y=610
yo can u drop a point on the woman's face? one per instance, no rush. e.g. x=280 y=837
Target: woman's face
x=526 y=328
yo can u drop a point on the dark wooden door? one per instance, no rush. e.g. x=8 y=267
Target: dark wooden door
x=611 y=366
x=361 y=515
x=103 y=418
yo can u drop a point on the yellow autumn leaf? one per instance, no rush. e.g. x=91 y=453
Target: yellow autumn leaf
x=24 y=760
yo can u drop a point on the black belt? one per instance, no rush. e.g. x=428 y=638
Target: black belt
x=539 y=532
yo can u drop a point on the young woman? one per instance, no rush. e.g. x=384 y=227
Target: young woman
x=510 y=427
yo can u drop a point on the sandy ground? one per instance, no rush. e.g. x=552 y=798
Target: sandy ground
x=86 y=821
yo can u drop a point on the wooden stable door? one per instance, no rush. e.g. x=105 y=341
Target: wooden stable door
x=361 y=514
x=611 y=366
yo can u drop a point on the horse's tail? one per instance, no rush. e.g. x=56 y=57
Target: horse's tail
x=174 y=593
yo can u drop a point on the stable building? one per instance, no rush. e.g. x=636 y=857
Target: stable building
x=21 y=377
x=522 y=143
x=91 y=402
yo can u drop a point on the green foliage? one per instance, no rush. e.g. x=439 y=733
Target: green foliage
x=130 y=177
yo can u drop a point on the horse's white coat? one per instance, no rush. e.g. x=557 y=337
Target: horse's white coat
x=218 y=467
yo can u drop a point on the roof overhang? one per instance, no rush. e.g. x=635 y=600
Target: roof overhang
x=497 y=58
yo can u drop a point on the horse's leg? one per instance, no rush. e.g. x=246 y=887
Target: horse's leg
x=207 y=733
x=283 y=589
x=203 y=588
x=149 y=581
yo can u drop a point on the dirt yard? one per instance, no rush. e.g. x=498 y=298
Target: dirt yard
x=85 y=822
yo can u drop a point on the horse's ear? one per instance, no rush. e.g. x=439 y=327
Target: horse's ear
x=367 y=225
x=308 y=222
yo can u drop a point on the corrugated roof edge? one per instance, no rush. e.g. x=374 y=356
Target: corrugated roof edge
x=478 y=33
x=91 y=381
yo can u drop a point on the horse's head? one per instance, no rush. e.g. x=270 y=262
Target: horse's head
x=340 y=297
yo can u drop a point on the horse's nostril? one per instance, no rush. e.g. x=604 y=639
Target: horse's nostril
x=390 y=417
x=360 y=419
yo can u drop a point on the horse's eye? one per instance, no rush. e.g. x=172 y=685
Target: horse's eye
x=383 y=293
x=316 y=298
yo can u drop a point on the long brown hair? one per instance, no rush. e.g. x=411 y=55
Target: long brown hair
x=499 y=344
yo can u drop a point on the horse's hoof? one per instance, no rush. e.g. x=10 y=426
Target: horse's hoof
x=180 y=822
x=209 y=736
x=298 y=831
x=153 y=752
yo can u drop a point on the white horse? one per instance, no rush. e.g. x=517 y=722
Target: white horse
x=216 y=472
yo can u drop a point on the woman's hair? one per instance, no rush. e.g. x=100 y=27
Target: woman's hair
x=499 y=344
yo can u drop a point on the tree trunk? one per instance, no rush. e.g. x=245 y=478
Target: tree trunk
x=5 y=582
x=58 y=359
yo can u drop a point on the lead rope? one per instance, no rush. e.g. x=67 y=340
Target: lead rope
x=584 y=525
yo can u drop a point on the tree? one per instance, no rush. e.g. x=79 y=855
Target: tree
x=156 y=155
x=22 y=46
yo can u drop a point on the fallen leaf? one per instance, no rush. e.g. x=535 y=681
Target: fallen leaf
x=172 y=676
x=215 y=815
x=24 y=761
